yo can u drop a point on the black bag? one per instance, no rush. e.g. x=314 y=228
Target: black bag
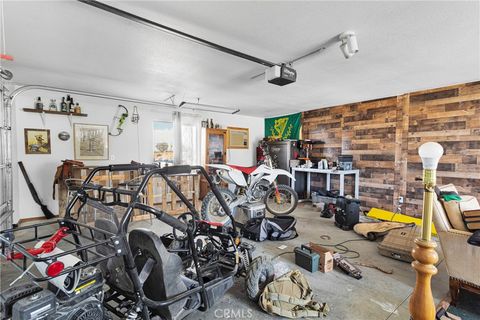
x=474 y=239
x=278 y=228
x=329 y=211
x=348 y=213
x=281 y=228
x=252 y=229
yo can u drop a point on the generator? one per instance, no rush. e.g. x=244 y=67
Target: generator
x=29 y=301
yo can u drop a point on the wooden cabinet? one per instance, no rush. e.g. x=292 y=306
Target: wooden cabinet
x=215 y=153
x=216 y=146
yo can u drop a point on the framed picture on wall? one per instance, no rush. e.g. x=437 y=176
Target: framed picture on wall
x=37 y=141
x=238 y=138
x=90 y=141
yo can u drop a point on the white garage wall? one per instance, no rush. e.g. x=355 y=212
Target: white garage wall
x=123 y=149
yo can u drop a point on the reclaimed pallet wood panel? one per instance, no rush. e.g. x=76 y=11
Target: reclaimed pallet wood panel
x=366 y=131
x=451 y=117
x=383 y=137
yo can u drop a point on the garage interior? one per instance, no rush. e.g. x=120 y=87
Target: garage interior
x=240 y=160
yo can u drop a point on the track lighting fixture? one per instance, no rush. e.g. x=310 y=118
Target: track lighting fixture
x=349 y=45
x=196 y=106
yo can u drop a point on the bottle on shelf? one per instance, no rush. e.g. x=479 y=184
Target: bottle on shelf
x=211 y=123
x=71 y=106
x=53 y=105
x=67 y=101
x=63 y=105
x=77 y=109
x=38 y=104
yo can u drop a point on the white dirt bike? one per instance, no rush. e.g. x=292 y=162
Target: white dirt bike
x=252 y=184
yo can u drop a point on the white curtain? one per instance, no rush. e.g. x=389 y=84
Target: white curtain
x=177 y=138
x=187 y=138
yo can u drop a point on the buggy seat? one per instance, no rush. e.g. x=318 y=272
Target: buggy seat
x=165 y=278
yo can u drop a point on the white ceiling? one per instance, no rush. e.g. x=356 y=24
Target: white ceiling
x=404 y=46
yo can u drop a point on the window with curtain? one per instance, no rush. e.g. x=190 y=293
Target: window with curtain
x=177 y=142
x=163 y=142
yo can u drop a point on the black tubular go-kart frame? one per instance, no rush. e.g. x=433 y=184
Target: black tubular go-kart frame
x=117 y=242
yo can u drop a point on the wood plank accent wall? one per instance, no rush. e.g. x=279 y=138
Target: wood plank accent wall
x=384 y=135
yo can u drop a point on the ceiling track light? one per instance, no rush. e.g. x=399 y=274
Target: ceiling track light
x=195 y=106
x=349 y=45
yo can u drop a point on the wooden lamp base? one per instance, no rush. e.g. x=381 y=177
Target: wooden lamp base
x=422 y=305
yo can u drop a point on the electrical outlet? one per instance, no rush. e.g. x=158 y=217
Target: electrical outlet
x=400 y=200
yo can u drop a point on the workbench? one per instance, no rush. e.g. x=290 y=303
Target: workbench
x=328 y=173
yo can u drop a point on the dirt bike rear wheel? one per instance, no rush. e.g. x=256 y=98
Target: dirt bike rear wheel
x=211 y=209
x=288 y=196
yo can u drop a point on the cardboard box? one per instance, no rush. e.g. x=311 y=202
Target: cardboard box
x=325 y=263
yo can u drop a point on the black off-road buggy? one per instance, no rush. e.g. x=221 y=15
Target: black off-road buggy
x=87 y=271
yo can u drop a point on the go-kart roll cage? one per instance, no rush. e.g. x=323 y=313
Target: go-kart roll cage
x=152 y=170
x=117 y=242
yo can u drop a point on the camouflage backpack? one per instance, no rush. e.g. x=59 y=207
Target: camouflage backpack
x=290 y=296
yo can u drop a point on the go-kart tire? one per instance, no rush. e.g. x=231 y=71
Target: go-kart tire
x=211 y=197
x=259 y=274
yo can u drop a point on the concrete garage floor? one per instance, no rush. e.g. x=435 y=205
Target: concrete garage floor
x=376 y=296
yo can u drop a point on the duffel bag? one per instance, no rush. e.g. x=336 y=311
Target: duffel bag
x=281 y=228
x=278 y=228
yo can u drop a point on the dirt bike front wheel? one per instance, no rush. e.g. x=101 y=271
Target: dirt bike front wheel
x=281 y=201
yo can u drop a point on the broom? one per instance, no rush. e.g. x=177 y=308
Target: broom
x=48 y=214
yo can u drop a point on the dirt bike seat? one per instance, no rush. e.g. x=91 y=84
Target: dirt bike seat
x=246 y=170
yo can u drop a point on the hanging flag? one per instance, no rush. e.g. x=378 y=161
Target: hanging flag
x=283 y=127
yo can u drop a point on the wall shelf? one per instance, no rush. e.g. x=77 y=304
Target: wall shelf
x=55 y=112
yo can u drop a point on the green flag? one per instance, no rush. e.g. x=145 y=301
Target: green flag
x=284 y=127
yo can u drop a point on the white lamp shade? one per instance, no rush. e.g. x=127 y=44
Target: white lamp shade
x=430 y=152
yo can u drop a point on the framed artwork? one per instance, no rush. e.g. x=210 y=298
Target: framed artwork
x=237 y=138
x=90 y=141
x=37 y=141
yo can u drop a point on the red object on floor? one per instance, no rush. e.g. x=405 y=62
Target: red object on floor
x=6 y=57
x=247 y=170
